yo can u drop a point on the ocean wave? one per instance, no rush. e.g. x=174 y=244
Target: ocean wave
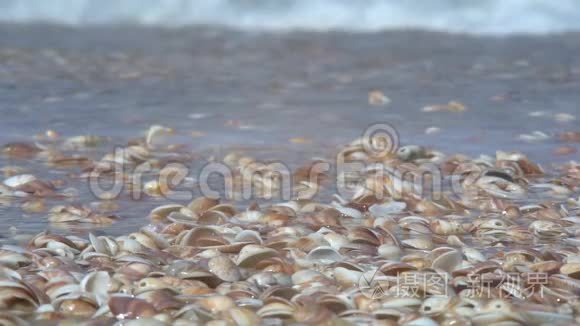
x=468 y=16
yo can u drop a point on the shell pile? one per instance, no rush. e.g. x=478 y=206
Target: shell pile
x=501 y=249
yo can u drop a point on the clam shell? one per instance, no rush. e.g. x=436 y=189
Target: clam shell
x=448 y=261
x=161 y=212
x=347 y=278
x=202 y=204
x=19 y=180
x=276 y=310
x=127 y=307
x=348 y=211
x=224 y=268
x=390 y=252
x=387 y=209
x=418 y=243
x=324 y=255
x=571 y=269
x=155 y=134
x=97 y=283
x=252 y=254
x=435 y=305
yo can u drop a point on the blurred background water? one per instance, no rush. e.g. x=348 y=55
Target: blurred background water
x=471 y=16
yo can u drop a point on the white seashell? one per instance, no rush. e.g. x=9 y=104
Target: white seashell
x=336 y=241
x=473 y=255
x=435 y=305
x=432 y=130
x=400 y=302
x=383 y=210
x=564 y=117
x=324 y=255
x=222 y=267
x=306 y=276
x=501 y=188
x=422 y=321
x=535 y=136
x=248 y=236
x=448 y=261
x=250 y=216
x=390 y=252
x=64 y=290
x=537 y=113
x=164 y=210
x=44 y=308
x=418 y=243
x=348 y=211
x=97 y=283
x=19 y=180
x=155 y=133
x=411 y=152
x=252 y=254
x=346 y=277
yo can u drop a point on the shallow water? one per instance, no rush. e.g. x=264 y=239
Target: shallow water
x=257 y=90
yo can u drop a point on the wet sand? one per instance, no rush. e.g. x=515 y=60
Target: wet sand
x=259 y=90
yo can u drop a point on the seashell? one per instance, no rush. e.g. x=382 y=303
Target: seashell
x=13 y=259
x=411 y=152
x=145 y=322
x=421 y=321
x=435 y=305
x=448 y=261
x=535 y=136
x=394 y=268
x=250 y=216
x=161 y=299
x=201 y=237
x=252 y=254
x=448 y=227
x=224 y=268
x=348 y=211
x=378 y=98
x=497 y=311
x=402 y=302
x=159 y=241
x=242 y=317
x=500 y=188
x=418 y=243
x=387 y=209
x=227 y=209
x=347 y=278
x=306 y=276
x=276 y=310
x=473 y=255
x=20 y=180
x=97 y=283
x=127 y=307
x=155 y=133
x=390 y=252
x=161 y=212
x=17 y=297
x=336 y=241
x=76 y=305
x=571 y=269
x=212 y=218
x=248 y=236
x=324 y=255
x=202 y=204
